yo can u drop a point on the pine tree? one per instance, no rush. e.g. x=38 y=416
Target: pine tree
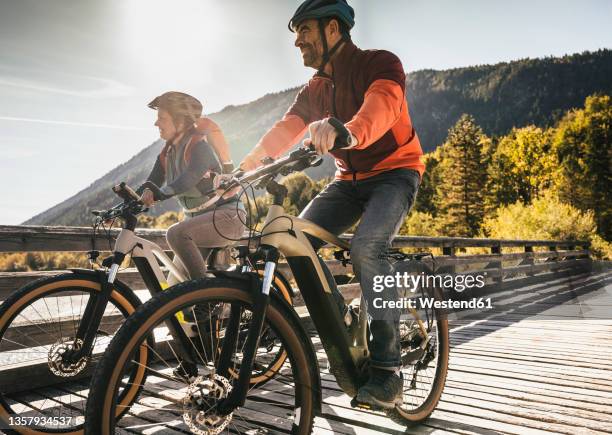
x=459 y=195
x=427 y=190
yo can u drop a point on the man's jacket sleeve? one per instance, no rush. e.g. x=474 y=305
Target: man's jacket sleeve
x=383 y=100
x=286 y=132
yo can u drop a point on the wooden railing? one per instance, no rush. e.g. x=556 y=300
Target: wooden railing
x=535 y=256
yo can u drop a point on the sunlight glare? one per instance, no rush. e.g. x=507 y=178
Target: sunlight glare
x=180 y=33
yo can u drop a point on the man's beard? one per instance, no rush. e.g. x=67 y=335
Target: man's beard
x=309 y=56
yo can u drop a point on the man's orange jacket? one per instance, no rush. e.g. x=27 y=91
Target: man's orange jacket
x=366 y=92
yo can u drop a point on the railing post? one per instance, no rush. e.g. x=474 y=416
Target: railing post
x=449 y=252
x=497 y=250
x=555 y=257
x=529 y=258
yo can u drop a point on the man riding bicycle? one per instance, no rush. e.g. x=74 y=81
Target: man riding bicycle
x=377 y=176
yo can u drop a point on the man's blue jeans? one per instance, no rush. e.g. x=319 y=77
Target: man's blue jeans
x=381 y=202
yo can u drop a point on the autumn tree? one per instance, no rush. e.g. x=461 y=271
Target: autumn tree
x=521 y=167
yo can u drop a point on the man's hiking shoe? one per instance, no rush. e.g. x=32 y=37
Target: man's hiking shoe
x=383 y=390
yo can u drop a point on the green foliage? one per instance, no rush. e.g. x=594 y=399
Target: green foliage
x=301 y=189
x=459 y=193
x=547 y=217
x=583 y=145
x=520 y=167
x=419 y=223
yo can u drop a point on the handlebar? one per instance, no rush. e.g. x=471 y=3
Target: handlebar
x=129 y=208
x=297 y=160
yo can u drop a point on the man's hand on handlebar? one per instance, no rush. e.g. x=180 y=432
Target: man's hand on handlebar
x=324 y=135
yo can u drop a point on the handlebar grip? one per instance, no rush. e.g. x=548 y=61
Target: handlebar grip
x=125 y=192
x=131 y=192
x=343 y=139
x=158 y=195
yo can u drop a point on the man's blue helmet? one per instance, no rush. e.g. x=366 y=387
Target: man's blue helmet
x=317 y=9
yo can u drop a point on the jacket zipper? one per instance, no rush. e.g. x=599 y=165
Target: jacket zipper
x=348 y=153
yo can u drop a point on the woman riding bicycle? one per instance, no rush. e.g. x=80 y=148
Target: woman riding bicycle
x=186 y=168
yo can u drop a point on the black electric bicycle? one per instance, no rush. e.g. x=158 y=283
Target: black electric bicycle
x=54 y=331
x=217 y=402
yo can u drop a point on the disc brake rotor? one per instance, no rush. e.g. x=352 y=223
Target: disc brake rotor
x=56 y=362
x=199 y=405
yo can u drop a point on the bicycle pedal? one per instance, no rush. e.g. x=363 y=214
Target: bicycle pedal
x=356 y=404
x=366 y=406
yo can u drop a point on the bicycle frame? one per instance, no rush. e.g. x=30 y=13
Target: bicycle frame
x=286 y=234
x=145 y=255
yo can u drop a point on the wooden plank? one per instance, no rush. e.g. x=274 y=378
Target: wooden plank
x=130 y=422
x=550 y=417
x=579 y=397
x=600 y=389
x=597 y=412
x=562 y=357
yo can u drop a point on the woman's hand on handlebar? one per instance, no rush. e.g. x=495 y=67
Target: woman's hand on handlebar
x=147 y=197
x=222 y=183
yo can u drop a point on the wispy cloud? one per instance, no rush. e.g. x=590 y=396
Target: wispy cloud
x=102 y=88
x=76 y=124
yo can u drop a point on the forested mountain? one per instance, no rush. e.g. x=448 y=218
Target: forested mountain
x=498 y=97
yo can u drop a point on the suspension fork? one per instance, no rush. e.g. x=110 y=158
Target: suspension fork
x=262 y=298
x=92 y=316
x=232 y=331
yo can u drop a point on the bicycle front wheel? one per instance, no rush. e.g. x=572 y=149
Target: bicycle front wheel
x=286 y=403
x=41 y=393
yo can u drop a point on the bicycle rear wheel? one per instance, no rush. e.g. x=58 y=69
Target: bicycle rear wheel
x=38 y=323
x=424 y=348
x=285 y=403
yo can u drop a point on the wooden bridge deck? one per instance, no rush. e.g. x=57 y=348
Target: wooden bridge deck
x=540 y=362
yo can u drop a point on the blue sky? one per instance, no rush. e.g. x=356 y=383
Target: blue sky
x=75 y=76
